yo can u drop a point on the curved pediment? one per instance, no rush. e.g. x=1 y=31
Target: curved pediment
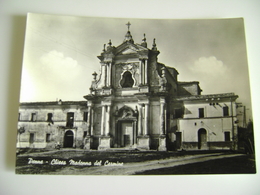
x=126 y=112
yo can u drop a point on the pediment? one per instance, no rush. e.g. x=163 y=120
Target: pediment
x=129 y=48
x=128 y=51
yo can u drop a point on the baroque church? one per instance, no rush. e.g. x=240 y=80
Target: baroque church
x=135 y=102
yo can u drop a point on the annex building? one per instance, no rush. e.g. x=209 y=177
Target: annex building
x=135 y=102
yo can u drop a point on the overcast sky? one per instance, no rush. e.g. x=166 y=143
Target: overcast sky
x=61 y=52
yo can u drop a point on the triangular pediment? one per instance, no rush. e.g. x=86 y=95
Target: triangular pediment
x=128 y=51
x=129 y=48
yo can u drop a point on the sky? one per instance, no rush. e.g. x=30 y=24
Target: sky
x=60 y=53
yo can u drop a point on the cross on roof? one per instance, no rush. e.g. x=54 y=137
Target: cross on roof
x=128 y=25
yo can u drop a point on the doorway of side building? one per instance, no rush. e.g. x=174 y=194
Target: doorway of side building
x=68 y=139
x=202 y=139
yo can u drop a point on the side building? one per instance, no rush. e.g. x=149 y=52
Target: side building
x=48 y=124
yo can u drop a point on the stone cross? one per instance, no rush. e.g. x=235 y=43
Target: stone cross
x=128 y=25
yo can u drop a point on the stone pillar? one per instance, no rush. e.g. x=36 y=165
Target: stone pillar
x=107 y=127
x=89 y=121
x=105 y=75
x=102 y=120
x=140 y=73
x=162 y=138
x=146 y=119
x=104 y=140
x=140 y=120
x=143 y=140
x=88 y=139
x=135 y=133
x=162 y=119
x=108 y=74
x=145 y=72
x=92 y=122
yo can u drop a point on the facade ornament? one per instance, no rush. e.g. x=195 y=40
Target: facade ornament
x=163 y=80
x=128 y=36
x=144 y=44
x=94 y=76
x=154 y=45
x=128 y=25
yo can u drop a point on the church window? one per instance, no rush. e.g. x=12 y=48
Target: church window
x=48 y=137
x=225 y=111
x=31 y=138
x=70 y=119
x=33 y=117
x=201 y=112
x=127 y=80
x=49 y=117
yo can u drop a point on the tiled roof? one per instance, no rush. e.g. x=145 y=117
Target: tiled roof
x=53 y=103
x=206 y=97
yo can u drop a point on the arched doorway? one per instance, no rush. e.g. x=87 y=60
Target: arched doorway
x=202 y=139
x=68 y=139
x=126 y=130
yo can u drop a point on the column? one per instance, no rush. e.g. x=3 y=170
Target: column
x=107 y=128
x=145 y=72
x=165 y=118
x=89 y=121
x=108 y=74
x=162 y=127
x=140 y=120
x=146 y=118
x=92 y=120
x=105 y=75
x=102 y=120
x=134 y=128
x=140 y=72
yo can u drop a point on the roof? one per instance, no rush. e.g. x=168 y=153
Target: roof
x=188 y=82
x=53 y=103
x=207 y=97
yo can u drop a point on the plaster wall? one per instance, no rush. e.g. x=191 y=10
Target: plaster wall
x=41 y=127
x=192 y=110
x=215 y=128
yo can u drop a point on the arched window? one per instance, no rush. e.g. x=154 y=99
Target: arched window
x=127 y=80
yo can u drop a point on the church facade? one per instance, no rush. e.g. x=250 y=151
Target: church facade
x=135 y=102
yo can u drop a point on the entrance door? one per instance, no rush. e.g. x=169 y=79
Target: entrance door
x=68 y=139
x=202 y=139
x=127 y=137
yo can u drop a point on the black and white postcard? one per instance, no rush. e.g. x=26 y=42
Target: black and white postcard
x=124 y=96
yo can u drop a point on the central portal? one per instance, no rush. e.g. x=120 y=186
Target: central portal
x=126 y=135
x=127 y=131
x=126 y=128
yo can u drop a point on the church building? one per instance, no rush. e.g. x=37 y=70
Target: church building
x=135 y=102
